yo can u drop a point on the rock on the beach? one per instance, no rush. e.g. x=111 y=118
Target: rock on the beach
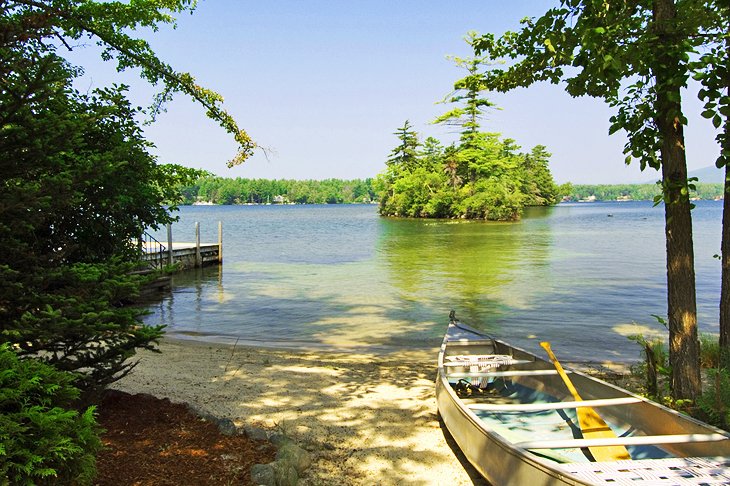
x=226 y=426
x=290 y=453
x=285 y=474
x=279 y=440
x=255 y=433
x=263 y=475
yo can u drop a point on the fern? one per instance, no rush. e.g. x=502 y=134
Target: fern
x=43 y=440
x=715 y=401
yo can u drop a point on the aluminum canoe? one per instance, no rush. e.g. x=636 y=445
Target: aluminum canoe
x=514 y=420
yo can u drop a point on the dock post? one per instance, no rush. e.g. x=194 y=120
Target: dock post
x=198 y=258
x=220 y=242
x=169 y=244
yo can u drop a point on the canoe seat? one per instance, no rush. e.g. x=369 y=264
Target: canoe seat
x=674 y=471
x=479 y=360
x=493 y=374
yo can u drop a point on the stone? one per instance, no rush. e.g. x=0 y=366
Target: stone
x=279 y=440
x=263 y=475
x=285 y=474
x=255 y=433
x=226 y=426
x=290 y=453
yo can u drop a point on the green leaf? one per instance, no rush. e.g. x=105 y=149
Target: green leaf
x=709 y=113
x=717 y=121
x=549 y=46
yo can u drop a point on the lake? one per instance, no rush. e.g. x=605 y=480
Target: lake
x=583 y=276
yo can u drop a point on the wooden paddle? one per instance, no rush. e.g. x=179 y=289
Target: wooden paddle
x=591 y=424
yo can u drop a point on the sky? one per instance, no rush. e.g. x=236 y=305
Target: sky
x=324 y=84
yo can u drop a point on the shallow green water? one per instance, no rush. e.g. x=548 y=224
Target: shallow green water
x=579 y=275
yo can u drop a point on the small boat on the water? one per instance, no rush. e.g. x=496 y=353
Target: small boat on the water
x=522 y=420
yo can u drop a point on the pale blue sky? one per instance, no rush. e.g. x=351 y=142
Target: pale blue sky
x=324 y=84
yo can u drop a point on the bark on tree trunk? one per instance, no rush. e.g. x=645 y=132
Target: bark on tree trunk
x=681 y=298
x=725 y=256
x=725 y=245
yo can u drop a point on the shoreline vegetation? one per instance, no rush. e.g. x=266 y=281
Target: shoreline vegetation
x=213 y=190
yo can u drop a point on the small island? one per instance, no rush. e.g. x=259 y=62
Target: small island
x=483 y=176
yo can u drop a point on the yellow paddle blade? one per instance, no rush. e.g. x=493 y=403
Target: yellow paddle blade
x=592 y=426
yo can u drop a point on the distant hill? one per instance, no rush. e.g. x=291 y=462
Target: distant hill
x=710 y=174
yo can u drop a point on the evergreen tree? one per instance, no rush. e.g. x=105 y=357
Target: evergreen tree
x=538 y=184
x=405 y=156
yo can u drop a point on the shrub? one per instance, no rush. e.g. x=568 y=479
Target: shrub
x=716 y=397
x=709 y=350
x=42 y=439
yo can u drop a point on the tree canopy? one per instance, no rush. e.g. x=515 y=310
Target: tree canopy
x=30 y=29
x=637 y=56
x=79 y=185
x=222 y=190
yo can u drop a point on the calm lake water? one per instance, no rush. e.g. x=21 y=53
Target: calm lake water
x=583 y=276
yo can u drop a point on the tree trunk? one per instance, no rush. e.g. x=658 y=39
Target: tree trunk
x=681 y=298
x=725 y=256
x=725 y=245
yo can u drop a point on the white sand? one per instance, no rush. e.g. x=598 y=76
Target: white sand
x=366 y=419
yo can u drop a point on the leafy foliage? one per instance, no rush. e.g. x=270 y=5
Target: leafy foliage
x=406 y=154
x=71 y=316
x=636 y=57
x=489 y=179
x=78 y=185
x=38 y=26
x=714 y=402
x=655 y=363
x=43 y=440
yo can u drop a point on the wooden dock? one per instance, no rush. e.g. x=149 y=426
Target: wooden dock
x=182 y=254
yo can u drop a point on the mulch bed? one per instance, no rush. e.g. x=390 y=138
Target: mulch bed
x=152 y=441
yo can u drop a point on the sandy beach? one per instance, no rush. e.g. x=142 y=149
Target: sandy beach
x=366 y=419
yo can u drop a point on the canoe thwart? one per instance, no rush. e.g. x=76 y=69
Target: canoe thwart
x=623 y=441
x=484 y=374
x=529 y=407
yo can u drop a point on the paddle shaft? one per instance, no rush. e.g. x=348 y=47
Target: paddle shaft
x=571 y=388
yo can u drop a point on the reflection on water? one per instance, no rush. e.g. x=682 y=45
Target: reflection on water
x=464 y=265
x=340 y=277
